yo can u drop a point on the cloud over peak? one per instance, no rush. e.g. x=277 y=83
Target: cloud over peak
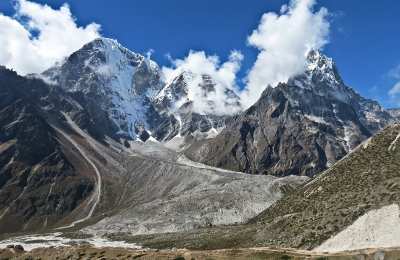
x=37 y=36
x=283 y=41
x=198 y=63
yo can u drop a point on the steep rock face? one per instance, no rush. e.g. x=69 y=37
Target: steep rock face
x=116 y=81
x=42 y=181
x=125 y=96
x=178 y=93
x=299 y=128
x=178 y=100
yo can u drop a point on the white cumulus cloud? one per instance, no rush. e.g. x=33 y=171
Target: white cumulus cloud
x=37 y=36
x=284 y=40
x=223 y=75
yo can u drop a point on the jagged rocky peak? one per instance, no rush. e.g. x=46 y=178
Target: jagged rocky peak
x=182 y=90
x=183 y=98
x=321 y=75
x=300 y=127
x=128 y=89
x=174 y=91
x=322 y=78
x=108 y=75
x=106 y=60
x=177 y=99
x=322 y=65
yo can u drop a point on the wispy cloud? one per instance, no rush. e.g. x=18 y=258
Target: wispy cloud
x=37 y=36
x=149 y=53
x=394 y=92
x=394 y=73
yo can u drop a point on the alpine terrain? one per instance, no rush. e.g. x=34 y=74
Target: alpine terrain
x=351 y=206
x=101 y=149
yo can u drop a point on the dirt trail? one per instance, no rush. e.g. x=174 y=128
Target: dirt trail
x=95 y=199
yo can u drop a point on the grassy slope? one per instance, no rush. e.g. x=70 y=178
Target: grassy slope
x=369 y=178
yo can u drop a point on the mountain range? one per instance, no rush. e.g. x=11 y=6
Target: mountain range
x=102 y=143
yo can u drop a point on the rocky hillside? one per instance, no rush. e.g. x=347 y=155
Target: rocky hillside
x=43 y=179
x=301 y=127
x=366 y=179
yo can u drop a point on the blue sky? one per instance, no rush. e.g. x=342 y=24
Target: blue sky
x=364 y=36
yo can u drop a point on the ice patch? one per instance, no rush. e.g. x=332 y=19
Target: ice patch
x=348 y=132
x=316 y=119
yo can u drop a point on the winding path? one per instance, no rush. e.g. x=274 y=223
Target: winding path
x=95 y=199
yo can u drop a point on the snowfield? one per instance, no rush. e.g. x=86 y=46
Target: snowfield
x=57 y=240
x=376 y=229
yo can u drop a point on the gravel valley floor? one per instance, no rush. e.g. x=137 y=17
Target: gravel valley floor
x=88 y=252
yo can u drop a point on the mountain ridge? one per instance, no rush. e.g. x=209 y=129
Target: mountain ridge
x=300 y=127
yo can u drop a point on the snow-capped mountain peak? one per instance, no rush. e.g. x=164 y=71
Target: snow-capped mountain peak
x=128 y=89
x=197 y=89
x=123 y=65
x=122 y=81
x=321 y=68
x=174 y=92
x=322 y=77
